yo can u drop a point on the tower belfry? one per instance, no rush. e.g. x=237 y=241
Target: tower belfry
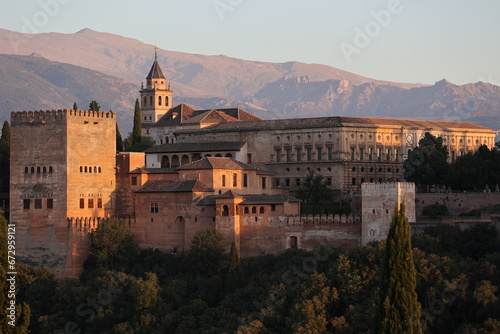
x=156 y=97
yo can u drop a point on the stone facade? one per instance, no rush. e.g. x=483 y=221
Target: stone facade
x=62 y=183
x=378 y=201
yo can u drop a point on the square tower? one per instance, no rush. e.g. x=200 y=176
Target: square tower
x=378 y=201
x=62 y=184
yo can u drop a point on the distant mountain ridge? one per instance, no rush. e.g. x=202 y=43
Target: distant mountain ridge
x=270 y=90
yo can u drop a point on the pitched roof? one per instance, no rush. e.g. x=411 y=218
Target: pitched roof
x=338 y=121
x=162 y=186
x=153 y=170
x=211 y=116
x=229 y=194
x=155 y=71
x=182 y=111
x=217 y=163
x=197 y=147
x=267 y=199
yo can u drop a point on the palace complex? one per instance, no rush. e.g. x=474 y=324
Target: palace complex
x=211 y=168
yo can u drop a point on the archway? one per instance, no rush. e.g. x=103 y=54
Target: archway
x=165 y=162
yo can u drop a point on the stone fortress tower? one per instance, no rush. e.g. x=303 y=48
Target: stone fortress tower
x=62 y=184
x=378 y=203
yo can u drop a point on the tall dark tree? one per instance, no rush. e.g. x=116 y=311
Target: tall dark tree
x=426 y=164
x=136 y=131
x=314 y=188
x=399 y=309
x=94 y=106
x=234 y=274
x=5 y=158
x=119 y=140
x=75 y=107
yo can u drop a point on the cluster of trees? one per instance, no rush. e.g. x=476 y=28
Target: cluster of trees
x=329 y=290
x=427 y=165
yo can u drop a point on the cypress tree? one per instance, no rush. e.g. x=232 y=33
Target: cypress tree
x=5 y=158
x=94 y=106
x=398 y=309
x=75 y=107
x=136 y=131
x=119 y=140
x=234 y=273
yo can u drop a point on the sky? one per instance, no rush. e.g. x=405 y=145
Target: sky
x=415 y=41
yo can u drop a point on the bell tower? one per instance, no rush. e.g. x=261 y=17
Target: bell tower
x=156 y=97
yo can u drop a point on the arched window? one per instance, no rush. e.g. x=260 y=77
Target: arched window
x=145 y=101
x=245 y=210
x=85 y=169
x=261 y=210
x=175 y=161
x=50 y=169
x=38 y=169
x=225 y=210
x=165 y=162
x=32 y=169
x=254 y=209
x=151 y=100
x=26 y=170
x=90 y=169
x=44 y=169
x=166 y=101
x=95 y=169
x=229 y=155
x=293 y=242
x=81 y=169
x=159 y=100
x=185 y=159
x=99 y=169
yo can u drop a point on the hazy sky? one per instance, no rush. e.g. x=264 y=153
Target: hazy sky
x=407 y=40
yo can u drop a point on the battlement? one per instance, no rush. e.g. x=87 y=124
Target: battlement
x=41 y=117
x=377 y=187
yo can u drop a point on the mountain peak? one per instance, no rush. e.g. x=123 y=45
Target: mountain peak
x=85 y=31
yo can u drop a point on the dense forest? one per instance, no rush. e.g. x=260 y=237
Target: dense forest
x=329 y=290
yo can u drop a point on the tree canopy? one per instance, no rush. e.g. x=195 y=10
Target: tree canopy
x=94 y=106
x=314 y=188
x=427 y=163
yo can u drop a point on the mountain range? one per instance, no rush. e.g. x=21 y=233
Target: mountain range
x=53 y=70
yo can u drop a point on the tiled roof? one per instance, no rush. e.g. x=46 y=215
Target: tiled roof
x=267 y=199
x=183 y=112
x=238 y=113
x=217 y=163
x=212 y=116
x=197 y=147
x=160 y=186
x=338 y=121
x=155 y=72
x=229 y=194
x=251 y=199
x=153 y=170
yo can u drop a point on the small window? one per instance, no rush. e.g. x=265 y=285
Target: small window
x=159 y=100
x=263 y=182
x=44 y=170
x=254 y=209
x=223 y=180
x=154 y=207
x=245 y=209
x=145 y=101
x=99 y=169
x=245 y=180
x=225 y=210
x=99 y=203
x=353 y=181
x=85 y=169
x=151 y=100
x=273 y=207
x=297 y=182
x=82 y=203
x=26 y=170
x=235 y=180
x=91 y=203
x=95 y=169
x=90 y=169
x=166 y=101
x=287 y=182
x=50 y=203
x=38 y=170
x=261 y=209
x=293 y=243
x=26 y=204
x=134 y=180
x=32 y=170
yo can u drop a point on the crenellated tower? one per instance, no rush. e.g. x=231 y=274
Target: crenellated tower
x=156 y=97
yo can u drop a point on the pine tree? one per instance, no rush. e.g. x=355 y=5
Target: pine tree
x=119 y=140
x=94 y=106
x=136 y=131
x=5 y=158
x=398 y=310
x=75 y=107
